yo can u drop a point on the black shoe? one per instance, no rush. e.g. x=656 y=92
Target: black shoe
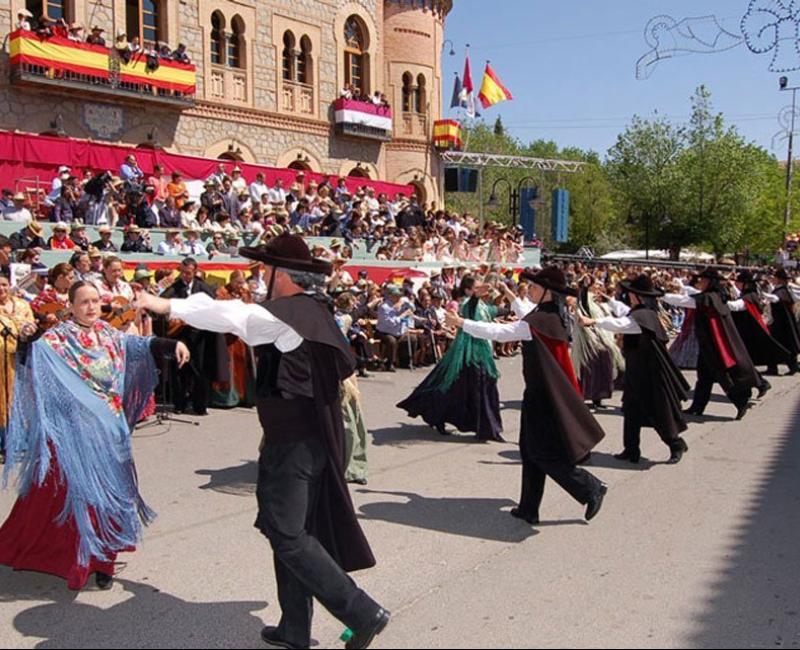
x=390 y=368
x=693 y=411
x=678 y=451
x=2 y=458
x=442 y=431
x=772 y=372
x=517 y=513
x=363 y=374
x=103 y=581
x=595 y=503
x=358 y=481
x=764 y=389
x=598 y=404
x=742 y=411
x=362 y=638
x=631 y=456
x=269 y=635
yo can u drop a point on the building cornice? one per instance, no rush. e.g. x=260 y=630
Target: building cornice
x=244 y=115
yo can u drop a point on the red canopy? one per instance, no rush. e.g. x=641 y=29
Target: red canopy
x=26 y=155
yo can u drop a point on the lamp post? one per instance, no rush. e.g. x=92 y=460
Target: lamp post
x=513 y=196
x=784 y=86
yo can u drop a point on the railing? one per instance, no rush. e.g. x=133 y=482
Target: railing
x=298 y=98
x=228 y=84
x=363 y=119
x=58 y=61
x=414 y=125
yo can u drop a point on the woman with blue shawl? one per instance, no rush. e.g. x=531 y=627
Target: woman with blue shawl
x=79 y=392
x=462 y=388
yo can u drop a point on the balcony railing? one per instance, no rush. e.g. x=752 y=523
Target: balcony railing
x=363 y=119
x=68 y=65
x=298 y=98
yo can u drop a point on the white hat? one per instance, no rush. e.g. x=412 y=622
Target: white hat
x=60 y=226
x=25 y=12
x=63 y=169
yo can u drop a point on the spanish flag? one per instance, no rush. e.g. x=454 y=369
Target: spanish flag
x=492 y=89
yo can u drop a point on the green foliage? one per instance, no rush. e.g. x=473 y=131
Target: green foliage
x=667 y=185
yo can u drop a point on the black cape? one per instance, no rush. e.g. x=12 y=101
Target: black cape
x=717 y=333
x=764 y=349
x=336 y=525
x=554 y=415
x=654 y=386
x=784 y=323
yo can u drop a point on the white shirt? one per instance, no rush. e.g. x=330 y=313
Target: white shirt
x=23 y=215
x=499 y=332
x=687 y=302
x=277 y=196
x=251 y=323
x=257 y=190
x=166 y=248
x=619 y=325
x=522 y=307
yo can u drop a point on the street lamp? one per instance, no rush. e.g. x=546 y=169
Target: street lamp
x=784 y=85
x=513 y=197
x=452 y=47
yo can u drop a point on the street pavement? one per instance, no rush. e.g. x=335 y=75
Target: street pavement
x=702 y=554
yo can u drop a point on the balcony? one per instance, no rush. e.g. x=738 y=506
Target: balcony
x=363 y=120
x=67 y=66
x=414 y=125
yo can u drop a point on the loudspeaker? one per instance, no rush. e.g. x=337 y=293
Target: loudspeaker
x=460 y=179
x=560 y=216
x=527 y=216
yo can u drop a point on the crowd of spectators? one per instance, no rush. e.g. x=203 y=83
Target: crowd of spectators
x=232 y=210
x=353 y=92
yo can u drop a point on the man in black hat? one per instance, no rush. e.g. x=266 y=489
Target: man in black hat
x=557 y=430
x=304 y=505
x=784 y=322
x=764 y=349
x=723 y=358
x=654 y=386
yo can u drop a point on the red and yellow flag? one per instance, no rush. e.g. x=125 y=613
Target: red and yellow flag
x=492 y=89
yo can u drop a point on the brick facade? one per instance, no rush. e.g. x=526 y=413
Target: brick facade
x=253 y=109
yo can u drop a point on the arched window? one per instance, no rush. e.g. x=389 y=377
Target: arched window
x=236 y=44
x=304 y=67
x=217 y=38
x=356 y=59
x=408 y=92
x=421 y=96
x=359 y=171
x=288 y=56
x=144 y=19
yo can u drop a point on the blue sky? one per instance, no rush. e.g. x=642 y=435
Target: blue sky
x=571 y=67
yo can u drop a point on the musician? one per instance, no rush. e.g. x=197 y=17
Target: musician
x=51 y=306
x=112 y=284
x=193 y=381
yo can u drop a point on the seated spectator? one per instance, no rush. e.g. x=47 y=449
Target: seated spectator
x=75 y=33
x=55 y=187
x=220 y=245
x=96 y=37
x=180 y=55
x=168 y=214
x=151 y=57
x=189 y=211
x=238 y=182
x=145 y=210
x=24 y=20
x=395 y=315
x=5 y=199
x=376 y=98
x=258 y=189
x=163 y=50
x=18 y=211
x=82 y=263
x=159 y=183
x=29 y=237
x=78 y=236
x=192 y=246
x=104 y=244
x=61 y=29
x=211 y=199
x=136 y=46
x=135 y=241
x=172 y=244
x=60 y=241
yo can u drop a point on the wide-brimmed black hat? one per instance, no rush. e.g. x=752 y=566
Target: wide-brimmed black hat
x=709 y=273
x=745 y=277
x=781 y=274
x=642 y=285
x=551 y=278
x=288 y=252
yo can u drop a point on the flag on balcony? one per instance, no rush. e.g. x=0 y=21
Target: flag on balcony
x=447 y=135
x=492 y=90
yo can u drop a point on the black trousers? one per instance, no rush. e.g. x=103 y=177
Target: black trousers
x=792 y=365
x=705 y=382
x=542 y=457
x=632 y=434
x=191 y=385
x=289 y=484
x=398 y=348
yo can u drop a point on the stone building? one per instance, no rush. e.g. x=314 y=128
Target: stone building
x=268 y=75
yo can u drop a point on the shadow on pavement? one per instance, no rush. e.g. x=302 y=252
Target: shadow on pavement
x=147 y=618
x=238 y=481
x=468 y=517
x=755 y=600
x=409 y=434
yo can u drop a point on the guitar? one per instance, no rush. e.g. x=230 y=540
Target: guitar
x=59 y=309
x=120 y=313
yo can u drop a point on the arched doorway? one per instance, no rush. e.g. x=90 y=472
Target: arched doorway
x=359 y=172
x=300 y=165
x=420 y=191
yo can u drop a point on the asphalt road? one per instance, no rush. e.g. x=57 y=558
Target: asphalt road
x=702 y=554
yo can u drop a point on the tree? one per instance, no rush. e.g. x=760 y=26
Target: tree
x=499 y=129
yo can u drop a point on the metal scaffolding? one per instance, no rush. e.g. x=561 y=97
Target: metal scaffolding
x=483 y=160
x=511 y=162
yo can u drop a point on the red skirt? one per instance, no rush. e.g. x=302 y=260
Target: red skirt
x=31 y=540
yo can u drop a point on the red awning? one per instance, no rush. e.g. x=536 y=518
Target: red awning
x=26 y=155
